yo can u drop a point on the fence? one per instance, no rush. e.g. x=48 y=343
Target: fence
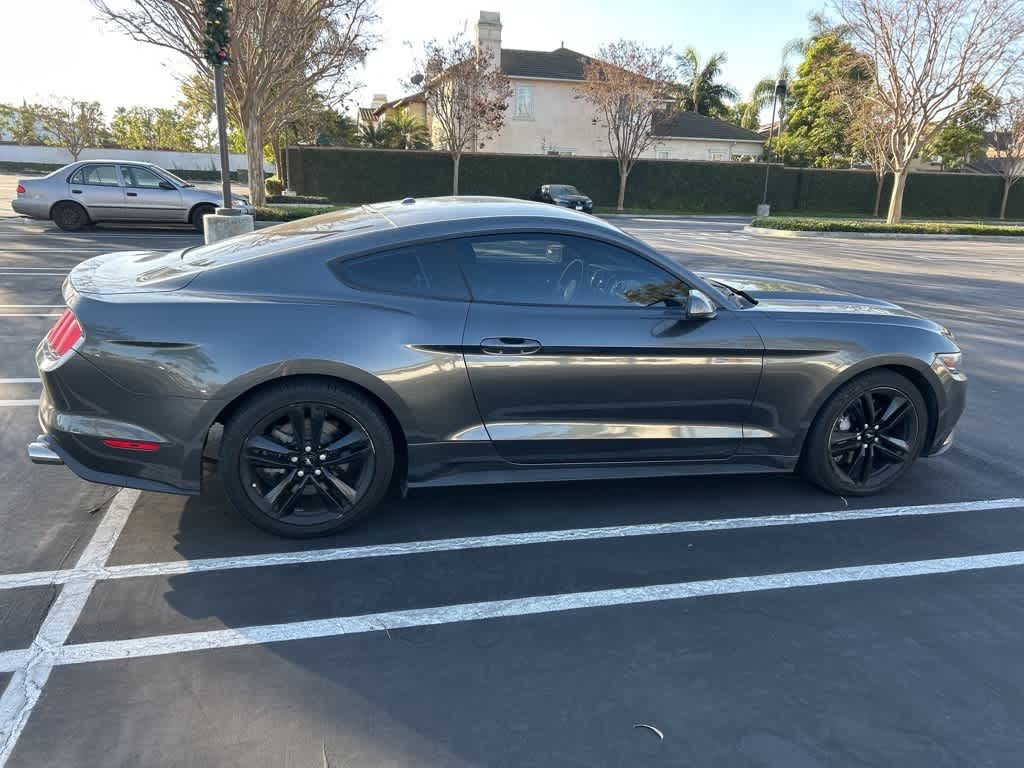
x=348 y=175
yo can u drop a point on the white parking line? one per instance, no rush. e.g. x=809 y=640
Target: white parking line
x=188 y=642
x=18 y=403
x=20 y=381
x=37 y=578
x=36 y=663
x=30 y=314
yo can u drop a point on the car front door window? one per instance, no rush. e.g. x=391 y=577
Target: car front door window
x=141 y=178
x=566 y=270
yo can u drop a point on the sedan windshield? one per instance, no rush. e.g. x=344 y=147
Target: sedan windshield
x=179 y=181
x=563 y=189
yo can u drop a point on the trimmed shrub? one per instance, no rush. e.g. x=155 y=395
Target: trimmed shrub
x=273 y=185
x=911 y=227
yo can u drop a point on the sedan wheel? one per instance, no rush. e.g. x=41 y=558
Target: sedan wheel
x=69 y=216
x=311 y=465
x=867 y=435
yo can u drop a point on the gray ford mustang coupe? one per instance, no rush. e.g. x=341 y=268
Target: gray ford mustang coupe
x=473 y=340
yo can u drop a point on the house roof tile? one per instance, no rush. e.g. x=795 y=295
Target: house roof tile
x=691 y=125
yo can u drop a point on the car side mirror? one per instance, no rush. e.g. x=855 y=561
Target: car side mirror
x=166 y=185
x=699 y=306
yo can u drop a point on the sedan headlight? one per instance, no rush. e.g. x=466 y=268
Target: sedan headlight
x=952 y=362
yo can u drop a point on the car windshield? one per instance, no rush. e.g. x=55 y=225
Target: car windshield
x=563 y=189
x=177 y=180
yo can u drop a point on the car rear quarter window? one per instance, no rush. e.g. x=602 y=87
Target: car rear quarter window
x=430 y=270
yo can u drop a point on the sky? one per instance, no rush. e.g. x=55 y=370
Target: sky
x=60 y=48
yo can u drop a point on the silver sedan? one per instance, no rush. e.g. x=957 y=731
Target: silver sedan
x=91 y=191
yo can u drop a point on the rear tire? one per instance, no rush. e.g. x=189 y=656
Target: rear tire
x=867 y=435
x=70 y=217
x=326 y=480
x=198 y=213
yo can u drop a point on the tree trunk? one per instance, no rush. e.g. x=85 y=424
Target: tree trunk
x=620 y=203
x=254 y=156
x=899 y=185
x=1006 y=197
x=880 y=180
x=455 y=173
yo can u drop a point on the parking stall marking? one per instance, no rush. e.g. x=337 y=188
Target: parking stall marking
x=19 y=404
x=37 y=578
x=190 y=642
x=35 y=664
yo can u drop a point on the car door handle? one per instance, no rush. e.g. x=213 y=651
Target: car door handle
x=76 y=191
x=509 y=345
x=132 y=194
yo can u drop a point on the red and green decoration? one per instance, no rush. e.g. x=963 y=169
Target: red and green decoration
x=215 y=37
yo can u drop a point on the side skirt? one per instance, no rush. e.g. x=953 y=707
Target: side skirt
x=434 y=465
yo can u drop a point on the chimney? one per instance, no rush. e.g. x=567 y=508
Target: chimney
x=488 y=36
x=378 y=100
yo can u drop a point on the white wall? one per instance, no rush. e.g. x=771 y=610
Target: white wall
x=702 y=149
x=172 y=161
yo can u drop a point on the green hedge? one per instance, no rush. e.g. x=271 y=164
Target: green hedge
x=916 y=228
x=373 y=175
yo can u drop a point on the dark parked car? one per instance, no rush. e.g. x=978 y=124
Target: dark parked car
x=565 y=195
x=473 y=340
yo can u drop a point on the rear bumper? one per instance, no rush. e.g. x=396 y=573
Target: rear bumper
x=33 y=208
x=80 y=407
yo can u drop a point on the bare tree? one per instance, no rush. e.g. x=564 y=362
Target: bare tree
x=627 y=85
x=466 y=95
x=869 y=130
x=279 y=50
x=1008 y=144
x=72 y=124
x=927 y=56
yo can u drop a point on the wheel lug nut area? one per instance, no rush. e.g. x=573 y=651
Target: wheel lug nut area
x=295 y=459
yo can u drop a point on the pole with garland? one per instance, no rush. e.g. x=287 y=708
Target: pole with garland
x=216 y=40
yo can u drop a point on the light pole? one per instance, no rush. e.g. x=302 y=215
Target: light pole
x=778 y=97
x=225 y=221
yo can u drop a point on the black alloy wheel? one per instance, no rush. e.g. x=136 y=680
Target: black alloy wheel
x=308 y=459
x=873 y=437
x=867 y=435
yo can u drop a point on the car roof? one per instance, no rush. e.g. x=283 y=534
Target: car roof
x=412 y=212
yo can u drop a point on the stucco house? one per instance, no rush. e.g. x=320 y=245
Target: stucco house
x=546 y=115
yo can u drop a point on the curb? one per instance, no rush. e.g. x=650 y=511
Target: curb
x=765 y=232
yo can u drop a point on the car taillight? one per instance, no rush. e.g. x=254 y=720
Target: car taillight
x=21 y=189
x=64 y=335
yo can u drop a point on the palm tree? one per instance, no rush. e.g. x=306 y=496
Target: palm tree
x=699 y=90
x=377 y=136
x=407 y=131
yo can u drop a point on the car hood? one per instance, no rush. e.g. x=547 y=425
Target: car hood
x=572 y=198
x=778 y=295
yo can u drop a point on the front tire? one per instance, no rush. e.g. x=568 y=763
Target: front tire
x=867 y=435
x=196 y=219
x=307 y=459
x=70 y=217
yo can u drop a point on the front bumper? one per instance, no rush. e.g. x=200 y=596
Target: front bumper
x=952 y=400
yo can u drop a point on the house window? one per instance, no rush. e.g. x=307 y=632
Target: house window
x=718 y=156
x=523 y=95
x=662 y=154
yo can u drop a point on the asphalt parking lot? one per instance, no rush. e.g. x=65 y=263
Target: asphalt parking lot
x=752 y=621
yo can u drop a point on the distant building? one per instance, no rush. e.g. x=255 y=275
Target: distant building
x=546 y=115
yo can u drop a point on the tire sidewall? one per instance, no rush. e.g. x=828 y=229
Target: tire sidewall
x=337 y=395
x=196 y=219
x=816 y=464
x=81 y=221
